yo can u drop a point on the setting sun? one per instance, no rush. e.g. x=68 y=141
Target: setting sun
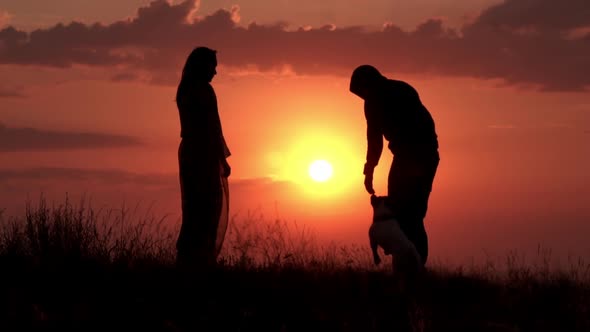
x=320 y=170
x=322 y=163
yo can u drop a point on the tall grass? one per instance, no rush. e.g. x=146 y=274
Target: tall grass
x=78 y=232
x=135 y=235
x=274 y=273
x=129 y=236
x=254 y=240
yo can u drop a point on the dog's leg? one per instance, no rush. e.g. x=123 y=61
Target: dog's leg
x=376 y=257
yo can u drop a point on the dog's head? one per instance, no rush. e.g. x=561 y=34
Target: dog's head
x=381 y=208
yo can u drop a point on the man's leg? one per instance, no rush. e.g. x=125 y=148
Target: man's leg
x=409 y=187
x=414 y=229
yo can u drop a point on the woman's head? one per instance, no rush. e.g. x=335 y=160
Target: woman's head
x=200 y=65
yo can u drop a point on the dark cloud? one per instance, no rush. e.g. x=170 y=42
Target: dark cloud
x=125 y=77
x=122 y=177
x=537 y=14
x=114 y=176
x=28 y=139
x=523 y=42
x=11 y=92
x=262 y=187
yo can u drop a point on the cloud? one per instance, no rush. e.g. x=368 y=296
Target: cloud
x=125 y=77
x=12 y=92
x=28 y=139
x=538 y=43
x=113 y=187
x=261 y=186
x=109 y=176
x=5 y=18
x=538 y=14
x=124 y=177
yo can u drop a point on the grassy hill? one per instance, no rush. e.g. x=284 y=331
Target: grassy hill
x=74 y=268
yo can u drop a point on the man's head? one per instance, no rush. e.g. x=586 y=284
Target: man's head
x=200 y=65
x=363 y=79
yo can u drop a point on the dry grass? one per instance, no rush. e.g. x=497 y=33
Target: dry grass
x=79 y=232
x=71 y=266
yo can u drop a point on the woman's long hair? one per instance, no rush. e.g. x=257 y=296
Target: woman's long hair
x=194 y=66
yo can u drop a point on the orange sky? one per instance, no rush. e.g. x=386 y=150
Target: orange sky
x=514 y=132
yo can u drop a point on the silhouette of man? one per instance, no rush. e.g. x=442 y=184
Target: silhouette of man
x=202 y=153
x=393 y=110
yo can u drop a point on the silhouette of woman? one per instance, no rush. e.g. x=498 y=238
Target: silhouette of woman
x=203 y=168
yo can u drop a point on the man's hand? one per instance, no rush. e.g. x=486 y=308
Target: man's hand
x=369 y=183
x=368 y=171
x=226 y=169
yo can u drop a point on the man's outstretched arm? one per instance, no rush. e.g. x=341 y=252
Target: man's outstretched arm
x=374 y=146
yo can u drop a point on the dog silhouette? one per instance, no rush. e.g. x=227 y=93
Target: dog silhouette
x=385 y=232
